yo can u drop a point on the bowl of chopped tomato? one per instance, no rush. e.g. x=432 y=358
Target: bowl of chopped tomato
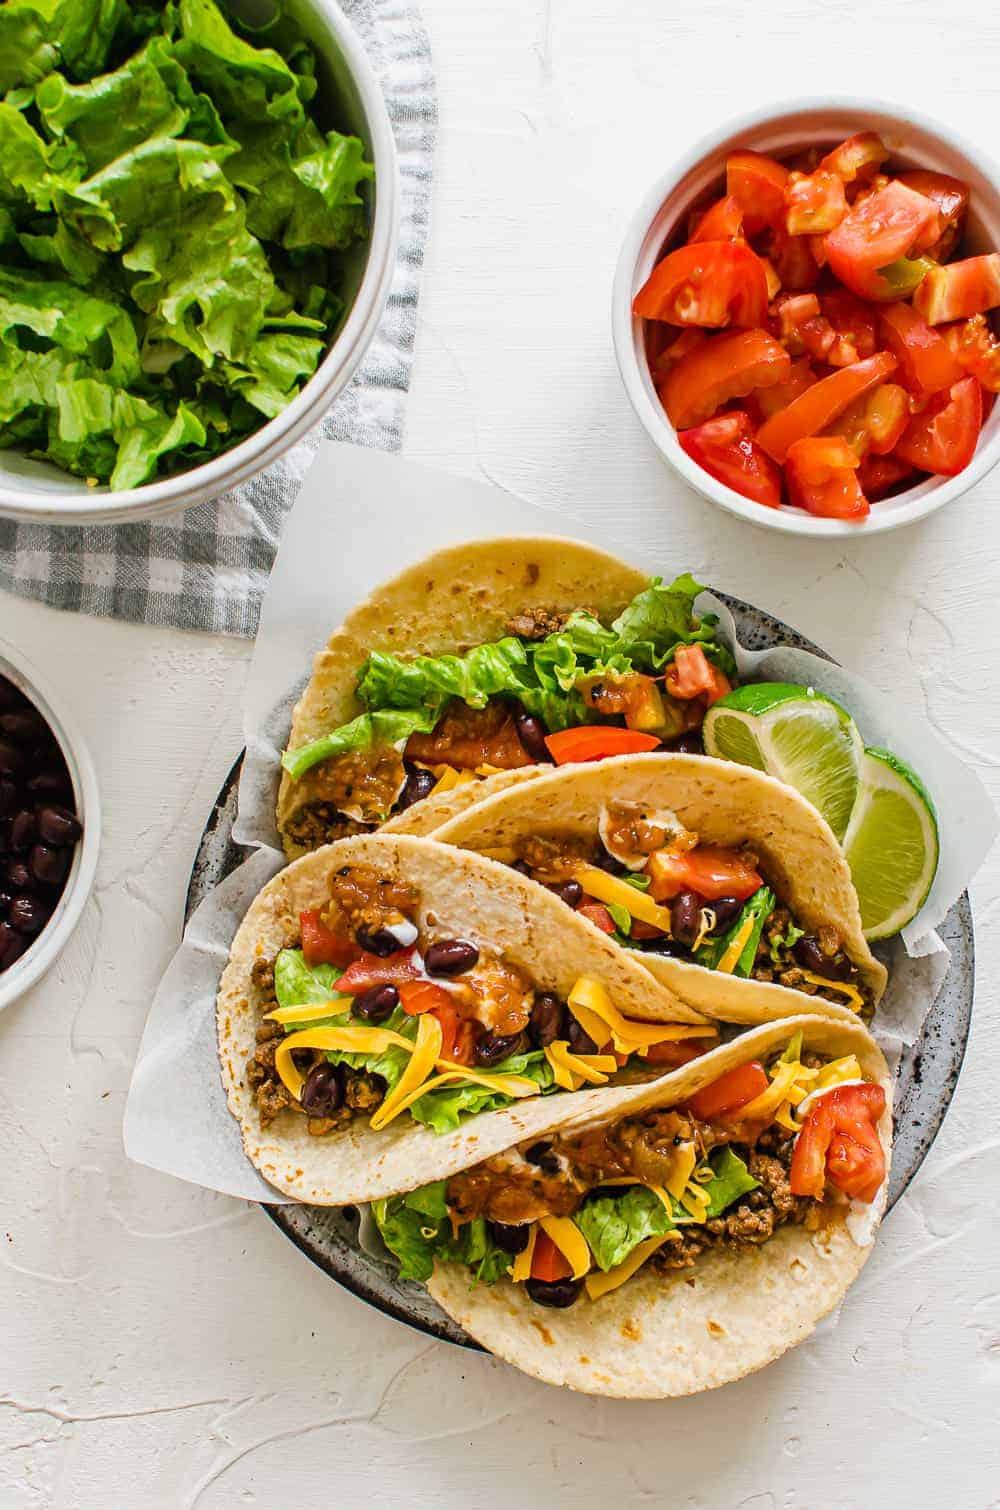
x=807 y=317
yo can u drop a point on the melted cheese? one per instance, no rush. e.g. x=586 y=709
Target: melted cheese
x=731 y=958
x=522 y=1263
x=569 y=1240
x=425 y=1054
x=592 y=1008
x=598 y=1284
x=349 y=1040
x=854 y=998
x=316 y=1012
x=597 y=883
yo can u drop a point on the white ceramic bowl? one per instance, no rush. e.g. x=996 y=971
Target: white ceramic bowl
x=50 y=942
x=781 y=131
x=36 y=492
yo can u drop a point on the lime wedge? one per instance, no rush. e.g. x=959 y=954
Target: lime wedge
x=796 y=734
x=891 y=844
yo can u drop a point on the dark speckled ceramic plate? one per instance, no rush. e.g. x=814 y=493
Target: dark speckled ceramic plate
x=926 y=1079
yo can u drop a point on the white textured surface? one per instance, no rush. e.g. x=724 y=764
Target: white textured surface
x=168 y=1348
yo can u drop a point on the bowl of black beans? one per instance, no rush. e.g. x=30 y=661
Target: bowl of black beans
x=49 y=826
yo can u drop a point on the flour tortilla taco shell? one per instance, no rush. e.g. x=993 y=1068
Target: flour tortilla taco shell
x=692 y=1329
x=725 y=805
x=457 y=896
x=445 y=604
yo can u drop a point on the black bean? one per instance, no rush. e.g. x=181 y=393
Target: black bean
x=685 y=917
x=48 y=865
x=323 y=1092
x=8 y=797
x=376 y=1004
x=23 y=830
x=543 y=1158
x=810 y=956
x=419 y=784
x=11 y=759
x=12 y=945
x=25 y=726
x=531 y=733
x=17 y=875
x=559 y=1293
x=27 y=913
x=725 y=909
x=493 y=1048
x=57 y=825
x=522 y=867
x=10 y=697
x=52 y=782
x=688 y=744
x=605 y=861
x=508 y=1236
x=450 y=957
x=580 y=1040
x=5 y=901
x=378 y=941
x=548 y=1019
x=570 y=892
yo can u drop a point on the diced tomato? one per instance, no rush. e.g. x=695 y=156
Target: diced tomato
x=773 y=281
x=821 y=475
x=757 y=183
x=641 y=930
x=959 y=290
x=369 y=970
x=597 y=742
x=767 y=401
x=858 y=159
x=598 y=914
x=548 y=1263
x=666 y=344
x=977 y=350
x=951 y=196
x=854 y=322
x=677 y=1053
x=722 y=222
x=803 y=327
x=878 y=476
x=942 y=439
x=419 y=996
x=926 y=364
x=458 y=1033
x=710 y=870
x=709 y=283
x=815 y=203
x=321 y=946
x=819 y=406
x=691 y=674
x=726 y=1095
x=887 y=414
x=868 y=250
x=728 y=367
x=724 y=447
x=839 y=1142
x=794 y=260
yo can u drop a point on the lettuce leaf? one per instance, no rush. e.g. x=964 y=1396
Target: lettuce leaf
x=614 y=1224
x=416 y=1229
x=730 y=1179
x=759 y=907
x=297 y=984
x=389 y=728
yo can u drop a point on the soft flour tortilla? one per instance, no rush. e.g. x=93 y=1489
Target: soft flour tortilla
x=723 y=803
x=675 y=1334
x=446 y=604
x=472 y=898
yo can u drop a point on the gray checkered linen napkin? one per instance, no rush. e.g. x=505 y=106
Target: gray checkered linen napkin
x=207 y=569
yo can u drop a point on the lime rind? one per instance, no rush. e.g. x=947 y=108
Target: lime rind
x=891 y=845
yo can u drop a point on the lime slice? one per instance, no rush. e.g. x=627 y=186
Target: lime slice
x=891 y=844
x=796 y=734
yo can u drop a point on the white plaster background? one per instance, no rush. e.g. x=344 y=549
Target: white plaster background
x=163 y=1347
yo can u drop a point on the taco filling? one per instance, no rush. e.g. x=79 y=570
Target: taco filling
x=371 y=1012
x=649 y=882
x=790 y=1139
x=557 y=687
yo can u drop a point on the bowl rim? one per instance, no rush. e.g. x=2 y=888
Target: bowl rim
x=624 y=327
x=53 y=938
x=258 y=451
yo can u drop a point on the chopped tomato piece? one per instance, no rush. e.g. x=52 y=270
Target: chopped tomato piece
x=819 y=406
x=711 y=283
x=821 y=474
x=959 y=290
x=725 y=448
x=597 y=742
x=977 y=350
x=878 y=476
x=839 y=1142
x=726 y=1095
x=767 y=401
x=869 y=249
x=369 y=970
x=730 y=366
x=794 y=260
x=926 y=364
x=321 y=946
x=419 y=996
x=858 y=159
x=665 y=345
x=854 y=322
x=691 y=674
x=709 y=869
x=598 y=914
x=458 y=1033
x=773 y=281
x=951 y=196
x=887 y=414
x=677 y=1053
x=757 y=183
x=815 y=203
x=548 y=1263
x=722 y=222
x=942 y=439
x=804 y=328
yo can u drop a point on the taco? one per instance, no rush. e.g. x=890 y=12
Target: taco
x=712 y=873
x=391 y=1004
x=676 y=1243
x=464 y=667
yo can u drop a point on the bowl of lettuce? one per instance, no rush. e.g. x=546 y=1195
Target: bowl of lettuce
x=198 y=218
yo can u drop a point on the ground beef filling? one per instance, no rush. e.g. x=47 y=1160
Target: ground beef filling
x=350 y=794
x=537 y=623
x=468 y=738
